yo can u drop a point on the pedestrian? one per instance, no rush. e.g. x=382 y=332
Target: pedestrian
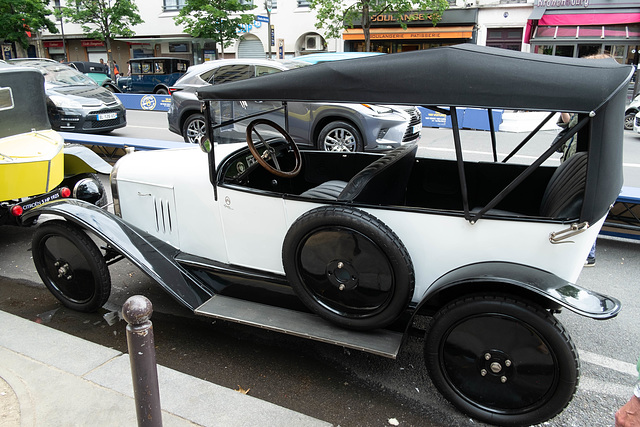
x=629 y=414
x=116 y=71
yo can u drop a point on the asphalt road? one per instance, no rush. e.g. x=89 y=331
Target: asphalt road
x=347 y=388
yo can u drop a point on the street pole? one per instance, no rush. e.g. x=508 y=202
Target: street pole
x=267 y=5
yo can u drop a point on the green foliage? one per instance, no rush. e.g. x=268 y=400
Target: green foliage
x=211 y=19
x=103 y=19
x=16 y=14
x=334 y=15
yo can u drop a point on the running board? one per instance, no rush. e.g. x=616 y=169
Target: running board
x=306 y=325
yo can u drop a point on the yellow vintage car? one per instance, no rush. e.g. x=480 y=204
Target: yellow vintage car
x=35 y=165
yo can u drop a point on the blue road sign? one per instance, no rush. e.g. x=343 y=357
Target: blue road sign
x=262 y=18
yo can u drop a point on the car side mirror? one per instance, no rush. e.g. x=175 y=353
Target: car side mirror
x=204 y=143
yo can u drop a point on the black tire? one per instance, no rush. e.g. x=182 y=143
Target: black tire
x=161 y=91
x=502 y=361
x=194 y=127
x=348 y=267
x=71 y=266
x=628 y=120
x=340 y=136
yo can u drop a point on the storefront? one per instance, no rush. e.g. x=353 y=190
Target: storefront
x=578 y=28
x=388 y=36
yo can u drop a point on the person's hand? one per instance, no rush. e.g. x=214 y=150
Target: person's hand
x=629 y=414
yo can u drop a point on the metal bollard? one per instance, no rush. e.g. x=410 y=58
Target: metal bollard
x=142 y=355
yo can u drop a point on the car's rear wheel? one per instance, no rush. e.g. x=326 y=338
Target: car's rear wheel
x=348 y=267
x=161 y=91
x=628 y=120
x=71 y=266
x=502 y=361
x=194 y=127
x=340 y=136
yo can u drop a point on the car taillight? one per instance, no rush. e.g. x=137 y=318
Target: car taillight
x=174 y=89
x=16 y=210
x=65 y=192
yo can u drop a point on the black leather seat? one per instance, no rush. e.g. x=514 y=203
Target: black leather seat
x=383 y=182
x=565 y=190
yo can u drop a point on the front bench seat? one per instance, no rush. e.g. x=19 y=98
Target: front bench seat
x=383 y=182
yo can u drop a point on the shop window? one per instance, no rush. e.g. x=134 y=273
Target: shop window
x=169 y=5
x=303 y=3
x=619 y=52
x=588 y=49
x=565 y=50
x=178 y=47
x=544 y=49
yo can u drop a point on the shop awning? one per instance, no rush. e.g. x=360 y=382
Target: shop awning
x=415 y=33
x=590 y=19
x=576 y=20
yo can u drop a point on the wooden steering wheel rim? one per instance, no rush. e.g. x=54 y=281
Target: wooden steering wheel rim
x=296 y=151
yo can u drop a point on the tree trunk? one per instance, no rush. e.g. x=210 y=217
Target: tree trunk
x=366 y=26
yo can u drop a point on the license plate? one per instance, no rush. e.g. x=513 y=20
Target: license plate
x=417 y=128
x=107 y=116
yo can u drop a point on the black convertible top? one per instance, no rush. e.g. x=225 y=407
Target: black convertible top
x=463 y=75
x=29 y=110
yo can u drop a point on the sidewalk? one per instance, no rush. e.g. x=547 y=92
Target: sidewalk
x=50 y=378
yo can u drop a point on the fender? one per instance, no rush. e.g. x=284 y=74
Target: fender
x=152 y=256
x=80 y=159
x=503 y=275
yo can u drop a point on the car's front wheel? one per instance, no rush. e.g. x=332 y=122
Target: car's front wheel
x=71 y=266
x=502 y=361
x=194 y=127
x=628 y=120
x=340 y=136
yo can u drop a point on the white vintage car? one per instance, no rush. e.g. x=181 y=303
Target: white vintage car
x=350 y=248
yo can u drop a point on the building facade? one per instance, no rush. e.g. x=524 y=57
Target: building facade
x=555 y=27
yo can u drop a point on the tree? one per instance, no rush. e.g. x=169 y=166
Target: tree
x=104 y=19
x=335 y=15
x=211 y=19
x=18 y=18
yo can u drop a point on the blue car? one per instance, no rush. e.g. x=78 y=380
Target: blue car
x=152 y=75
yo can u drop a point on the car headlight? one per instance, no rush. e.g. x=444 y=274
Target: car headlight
x=379 y=109
x=64 y=102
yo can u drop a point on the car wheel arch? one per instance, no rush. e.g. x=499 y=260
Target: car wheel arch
x=518 y=281
x=159 y=89
x=323 y=121
x=340 y=121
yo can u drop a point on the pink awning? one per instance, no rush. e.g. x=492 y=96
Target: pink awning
x=590 y=19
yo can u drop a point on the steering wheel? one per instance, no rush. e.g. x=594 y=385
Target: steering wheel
x=269 y=152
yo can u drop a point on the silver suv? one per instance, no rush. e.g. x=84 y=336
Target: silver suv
x=322 y=126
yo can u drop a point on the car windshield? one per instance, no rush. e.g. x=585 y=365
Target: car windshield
x=61 y=75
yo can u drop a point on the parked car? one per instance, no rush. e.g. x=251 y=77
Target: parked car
x=35 y=166
x=636 y=123
x=152 y=75
x=630 y=112
x=75 y=103
x=351 y=248
x=98 y=72
x=320 y=125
